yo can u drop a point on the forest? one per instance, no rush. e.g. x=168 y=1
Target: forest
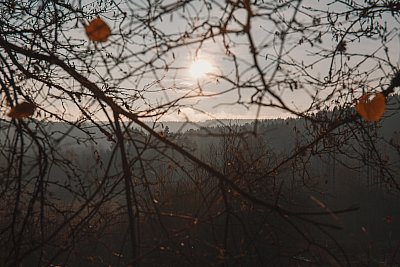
x=199 y=133
x=361 y=205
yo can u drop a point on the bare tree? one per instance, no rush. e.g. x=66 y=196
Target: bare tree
x=76 y=73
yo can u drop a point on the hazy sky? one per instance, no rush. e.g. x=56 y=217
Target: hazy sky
x=162 y=85
x=223 y=106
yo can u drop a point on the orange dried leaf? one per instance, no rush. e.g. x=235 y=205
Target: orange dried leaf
x=371 y=109
x=22 y=110
x=98 y=30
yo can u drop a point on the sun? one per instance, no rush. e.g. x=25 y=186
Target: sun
x=200 y=68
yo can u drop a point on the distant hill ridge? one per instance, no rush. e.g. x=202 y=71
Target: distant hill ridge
x=277 y=128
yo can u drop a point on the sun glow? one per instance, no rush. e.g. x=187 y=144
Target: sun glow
x=200 y=68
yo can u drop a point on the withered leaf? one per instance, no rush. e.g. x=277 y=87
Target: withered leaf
x=371 y=109
x=22 y=110
x=97 y=30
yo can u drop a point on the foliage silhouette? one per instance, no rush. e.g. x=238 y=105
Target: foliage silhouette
x=224 y=195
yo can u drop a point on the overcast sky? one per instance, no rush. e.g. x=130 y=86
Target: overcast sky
x=213 y=100
x=223 y=106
